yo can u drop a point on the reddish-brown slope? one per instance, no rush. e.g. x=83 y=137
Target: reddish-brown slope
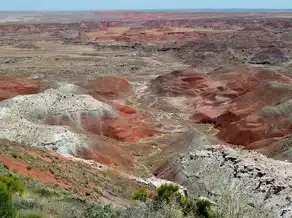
x=235 y=99
x=108 y=87
x=11 y=86
x=130 y=126
x=107 y=152
x=52 y=168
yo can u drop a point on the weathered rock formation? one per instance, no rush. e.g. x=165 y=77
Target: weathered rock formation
x=108 y=87
x=11 y=86
x=246 y=181
x=247 y=105
x=270 y=56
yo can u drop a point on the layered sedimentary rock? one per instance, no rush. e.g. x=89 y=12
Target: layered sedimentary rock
x=108 y=87
x=269 y=56
x=247 y=105
x=11 y=86
x=243 y=177
x=78 y=124
x=23 y=118
x=248 y=182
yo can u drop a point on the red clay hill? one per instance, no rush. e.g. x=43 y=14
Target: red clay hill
x=249 y=106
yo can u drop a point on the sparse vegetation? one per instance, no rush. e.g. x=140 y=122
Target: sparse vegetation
x=46 y=192
x=7 y=208
x=180 y=69
x=168 y=194
x=29 y=214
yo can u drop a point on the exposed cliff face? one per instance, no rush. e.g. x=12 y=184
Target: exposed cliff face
x=261 y=182
x=230 y=175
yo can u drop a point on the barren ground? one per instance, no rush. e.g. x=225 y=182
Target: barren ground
x=173 y=83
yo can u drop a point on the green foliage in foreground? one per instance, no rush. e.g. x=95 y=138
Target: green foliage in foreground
x=102 y=211
x=13 y=184
x=41 y=201
x=168 y=194
x=7 y=209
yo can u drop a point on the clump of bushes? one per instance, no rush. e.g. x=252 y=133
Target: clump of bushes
x=140 y=195
x=101 y=211
x=9 y=186
x=168 y=194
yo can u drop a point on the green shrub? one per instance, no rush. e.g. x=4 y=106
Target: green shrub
x=203 y=207
x=167 y=193
x=13 y=184
x=140 y=195
x=188 y=206
x=168 y=199
x=7 y=209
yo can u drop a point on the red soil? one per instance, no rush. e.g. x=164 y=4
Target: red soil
x=108 y=87
x=124 y=109
x=233 y=99
x=19 y=166
x=107 y=152
x=130 y=126
x=128 y=129
x=12 y=86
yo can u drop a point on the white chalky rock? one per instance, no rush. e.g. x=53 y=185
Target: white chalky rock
x=22 y=119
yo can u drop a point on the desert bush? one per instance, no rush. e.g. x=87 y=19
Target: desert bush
x=46 y=192
x=167 y=192
x=232 y=203
x=187 y=205
x=7 y=208
x=101 y=211
x=171 y=203
x=140 y=195
x=149 y=210
x=24 y=203
x=203 y=207
x=29 y=214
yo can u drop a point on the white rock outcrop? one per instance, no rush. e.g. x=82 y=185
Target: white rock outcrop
x=22 y=118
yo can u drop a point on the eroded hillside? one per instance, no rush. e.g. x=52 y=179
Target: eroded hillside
x=103 y=107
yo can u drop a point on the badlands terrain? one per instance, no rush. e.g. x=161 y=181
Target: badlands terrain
x=94 y=105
